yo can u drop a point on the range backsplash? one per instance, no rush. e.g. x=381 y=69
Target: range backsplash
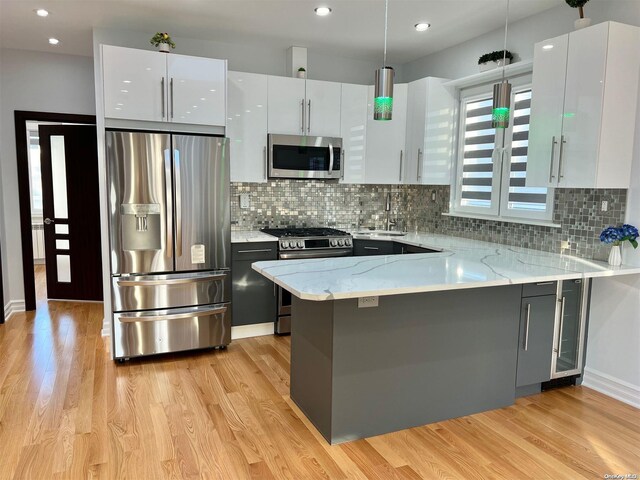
x=320 y=203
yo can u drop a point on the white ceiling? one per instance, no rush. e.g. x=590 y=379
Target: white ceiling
x=354 y=29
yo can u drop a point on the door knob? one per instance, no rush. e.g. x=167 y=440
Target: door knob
x=48 y=221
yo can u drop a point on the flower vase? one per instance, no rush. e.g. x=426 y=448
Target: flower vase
x=615 y=256
x=581 y=23
x=164 y=48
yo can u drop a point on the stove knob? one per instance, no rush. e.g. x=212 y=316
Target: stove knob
x=333 y=242
x=341 y=242
x=300 y=244
x=284 y=245
x=292 y=244
x=348 y=242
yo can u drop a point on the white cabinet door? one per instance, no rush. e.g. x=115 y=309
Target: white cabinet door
x=547 y=108
x=197 y=90
x=583 y=99
x=416 y=123
x=436 y=158
x=353 y=124
x=287 y=106
x=385 y=141
x=323 y=108
x=134 y=84
x=247 y=126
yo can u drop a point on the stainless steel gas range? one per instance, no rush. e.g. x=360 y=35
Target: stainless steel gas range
x=296 y=243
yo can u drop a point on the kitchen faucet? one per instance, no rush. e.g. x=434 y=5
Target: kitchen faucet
x=387 y=209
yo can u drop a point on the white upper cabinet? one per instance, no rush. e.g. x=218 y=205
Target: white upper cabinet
x=385 y=141
x=287 y=105
x=304 y=107
x=430 y=132
x=323 y=108
x=247 y=126
x=583 y=108
x=135 y=84
x=160 y=87
x=353 y=121
x=197 y=90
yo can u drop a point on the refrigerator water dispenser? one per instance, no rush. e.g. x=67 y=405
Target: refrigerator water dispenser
x=141 y=224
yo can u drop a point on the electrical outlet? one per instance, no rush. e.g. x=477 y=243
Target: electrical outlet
x=565 y=245
x=366 y=302
x=245 y=201
x=605 y=206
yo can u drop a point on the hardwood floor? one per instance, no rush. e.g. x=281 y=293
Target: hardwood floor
x=40 y=276
x=67 y=411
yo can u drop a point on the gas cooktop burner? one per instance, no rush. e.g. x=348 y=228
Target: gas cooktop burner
x=304 y=232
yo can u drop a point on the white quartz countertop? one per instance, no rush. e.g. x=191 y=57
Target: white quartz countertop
x=462 y=263
x=252 y=237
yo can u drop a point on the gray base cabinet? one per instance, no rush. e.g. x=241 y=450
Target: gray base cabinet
x=383 y=247
x=253 y=296
x=535 y=348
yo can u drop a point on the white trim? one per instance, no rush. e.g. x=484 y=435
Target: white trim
x=106 y=327
x=14 y=306
x=612 y=387
x=502 y=219
x=511 y=70
x=254 y=330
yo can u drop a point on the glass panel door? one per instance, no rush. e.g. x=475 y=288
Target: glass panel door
x=568 y=347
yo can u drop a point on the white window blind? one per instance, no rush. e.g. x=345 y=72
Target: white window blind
x=492 y=164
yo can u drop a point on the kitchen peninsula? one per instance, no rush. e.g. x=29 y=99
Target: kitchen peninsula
x=445 y=335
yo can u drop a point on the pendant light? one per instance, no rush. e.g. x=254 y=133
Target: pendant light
x=502 y=91
x=383 y=94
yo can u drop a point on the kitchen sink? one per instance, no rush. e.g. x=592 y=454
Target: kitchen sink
x=382 y=233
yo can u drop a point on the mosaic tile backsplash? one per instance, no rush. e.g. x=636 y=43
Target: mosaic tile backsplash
x=280 y=203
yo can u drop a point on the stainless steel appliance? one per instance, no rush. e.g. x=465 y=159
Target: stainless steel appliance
x=298 y=156
x=170 y=242
x=296 y=243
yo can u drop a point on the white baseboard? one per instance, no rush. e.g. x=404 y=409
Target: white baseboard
x=612 y=387
x=106 y=327
x=14 y=306
x=255 y=330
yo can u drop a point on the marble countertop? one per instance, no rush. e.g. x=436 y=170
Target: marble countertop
x=251 y=237
x=462 y=263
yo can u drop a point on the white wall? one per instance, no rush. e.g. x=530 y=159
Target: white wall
x=250 y=58
x=42 y=82
x=461 y=60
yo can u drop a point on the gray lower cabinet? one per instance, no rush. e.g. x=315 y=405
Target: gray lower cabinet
x=253 y=295
x=535 y=349
x=373 y=247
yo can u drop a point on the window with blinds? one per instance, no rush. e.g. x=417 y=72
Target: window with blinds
x=485 y=185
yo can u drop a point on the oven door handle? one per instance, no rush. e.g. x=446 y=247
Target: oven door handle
x=342 y=252
x=330 y=159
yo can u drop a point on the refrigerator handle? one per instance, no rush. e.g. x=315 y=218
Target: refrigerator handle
x=178 y=190
x=169 y=207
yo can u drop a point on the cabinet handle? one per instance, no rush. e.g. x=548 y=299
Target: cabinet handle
x=401 y=159
x=162 y=96
x=342 y=164
x=544 y=283
x=526 y=328
x=261 y=250
x=553 y=151
x=266 y=163
x=309 y=118
x=171 y=88
x=560 y=165
x=302 y=116
x=561 y=327
x=371 y=248
x=419 y=169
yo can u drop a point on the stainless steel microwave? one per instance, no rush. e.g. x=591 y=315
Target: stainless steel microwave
x=302 y=157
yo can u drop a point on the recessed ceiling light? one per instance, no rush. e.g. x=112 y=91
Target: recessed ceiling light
x=41 y=12
x=322 y=11
x=547 y=47
x=54 y=41
x=421 y=27
x=126 y=81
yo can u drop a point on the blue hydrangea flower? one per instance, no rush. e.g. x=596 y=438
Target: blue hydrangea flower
x=629 y=232
x=611 y=235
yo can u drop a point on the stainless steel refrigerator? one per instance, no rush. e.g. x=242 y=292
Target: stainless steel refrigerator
x=170 y=242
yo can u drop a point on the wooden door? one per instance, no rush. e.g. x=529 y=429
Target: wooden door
x=71 y=210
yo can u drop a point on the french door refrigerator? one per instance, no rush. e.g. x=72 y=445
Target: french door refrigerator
x=170 y=241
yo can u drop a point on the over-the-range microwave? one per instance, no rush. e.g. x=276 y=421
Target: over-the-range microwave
x=304 y=157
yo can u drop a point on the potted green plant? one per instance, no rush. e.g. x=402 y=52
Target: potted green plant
x=302 y=72
x=581 y=22
x=162 y=41
x=495 y=59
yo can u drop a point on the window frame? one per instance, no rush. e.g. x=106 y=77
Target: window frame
x=499 y=209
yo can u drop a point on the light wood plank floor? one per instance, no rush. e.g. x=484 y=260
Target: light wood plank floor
x=67 y=411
